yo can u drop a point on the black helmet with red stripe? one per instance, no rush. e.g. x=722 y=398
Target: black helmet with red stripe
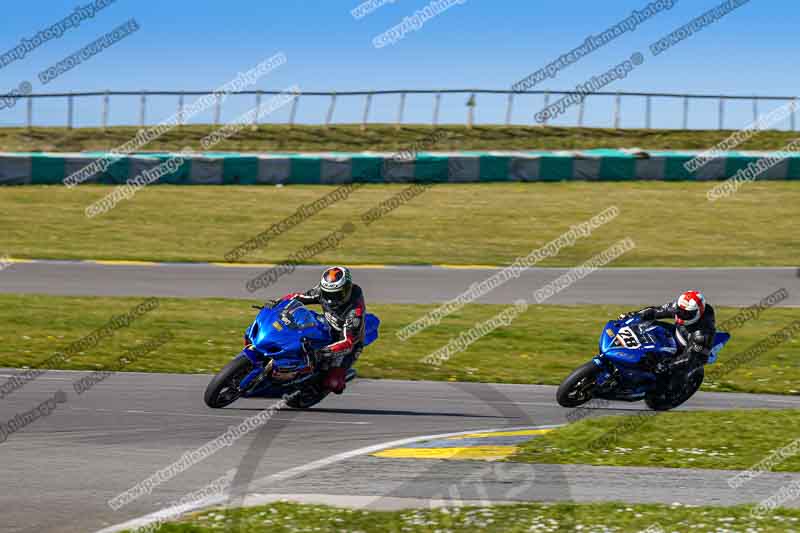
x=336 y=286
x=689 y=308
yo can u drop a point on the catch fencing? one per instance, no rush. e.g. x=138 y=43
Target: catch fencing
x=618 y=110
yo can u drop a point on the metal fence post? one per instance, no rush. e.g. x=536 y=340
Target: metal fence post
x=686 y=112
x=546 y=105
x=756 y=125
x=331 y=108
x=721 y=123
x=436 y=104
x=254 y=125
x=365 y=116
x=648 y=112
x=181 y=118
x=217 y=108
x=293 y=111
x=70 y=110
x=400 y=111
x=143 y=109
x=509 y=108
x=106 y=99
x=581 y=110
x=617 y=110
x=471 y=103
x=30 y=112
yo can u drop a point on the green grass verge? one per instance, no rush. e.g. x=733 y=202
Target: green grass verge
x=566 y=517
x=541 y=346
x=456 y=224
x=380 y=137
x=727 y=440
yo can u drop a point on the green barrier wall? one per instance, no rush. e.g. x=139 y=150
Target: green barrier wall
x=453 y=167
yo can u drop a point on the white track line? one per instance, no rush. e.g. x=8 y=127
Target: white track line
x=174 y=512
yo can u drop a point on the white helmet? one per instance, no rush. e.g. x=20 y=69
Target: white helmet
x=336 y=285
x=689 y=308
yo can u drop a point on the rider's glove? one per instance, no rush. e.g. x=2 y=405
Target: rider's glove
x=700 y=339
x=645 y=314
x=290 y=296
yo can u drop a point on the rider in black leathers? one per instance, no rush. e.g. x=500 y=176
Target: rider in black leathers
x=345 y=311
x=694 y=330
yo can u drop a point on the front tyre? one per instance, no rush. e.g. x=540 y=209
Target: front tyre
x=224 y=387
x=579 y=386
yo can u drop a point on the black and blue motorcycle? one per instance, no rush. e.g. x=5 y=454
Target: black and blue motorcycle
x=625 y=369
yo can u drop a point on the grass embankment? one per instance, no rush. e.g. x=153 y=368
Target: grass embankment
x=383 y=137
x=541 y=346
x=567 y=517
x=727 y=440
x=456 y=224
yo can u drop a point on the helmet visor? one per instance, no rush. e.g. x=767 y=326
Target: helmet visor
x=333 y=297
x=336 y=297
x=685 y=314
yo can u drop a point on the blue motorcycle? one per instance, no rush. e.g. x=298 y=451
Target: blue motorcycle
x=625 y=369
x=278 y=357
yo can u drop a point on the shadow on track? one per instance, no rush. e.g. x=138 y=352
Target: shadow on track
x=382 y=412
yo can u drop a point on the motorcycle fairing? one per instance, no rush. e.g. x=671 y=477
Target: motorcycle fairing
x=284 y=334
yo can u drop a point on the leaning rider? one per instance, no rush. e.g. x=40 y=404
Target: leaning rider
x=345 y=311
x=694 y=328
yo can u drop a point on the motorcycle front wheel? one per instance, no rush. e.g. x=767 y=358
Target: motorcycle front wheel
x=578 y=388
x=224 y=387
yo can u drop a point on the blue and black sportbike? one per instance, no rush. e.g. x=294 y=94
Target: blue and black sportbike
x=631 y=351
x=278 y=357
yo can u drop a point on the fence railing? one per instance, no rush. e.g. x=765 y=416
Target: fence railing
x=614 y=114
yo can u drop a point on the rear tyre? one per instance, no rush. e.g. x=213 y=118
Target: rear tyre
x=660 y=401
x=224 y=387
x=307 y=396
x=313 y=394
x=579 y=386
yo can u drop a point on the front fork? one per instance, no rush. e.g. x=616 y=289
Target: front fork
x=259 y=372
x=608 y=377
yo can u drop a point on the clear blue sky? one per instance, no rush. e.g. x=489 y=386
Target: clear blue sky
x=200 y=44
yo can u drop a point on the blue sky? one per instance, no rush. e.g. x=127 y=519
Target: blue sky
x=201 y=44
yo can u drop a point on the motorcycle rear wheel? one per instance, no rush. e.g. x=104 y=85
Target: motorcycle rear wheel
x=307 y=397
x=224 y=387
x=662 y=402
x=313 y=394
x=578 y=387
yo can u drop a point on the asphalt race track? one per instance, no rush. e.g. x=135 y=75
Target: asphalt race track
x=60 y=471
x=402 y=284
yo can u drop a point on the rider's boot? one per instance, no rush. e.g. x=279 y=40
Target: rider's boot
x=335 y=380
